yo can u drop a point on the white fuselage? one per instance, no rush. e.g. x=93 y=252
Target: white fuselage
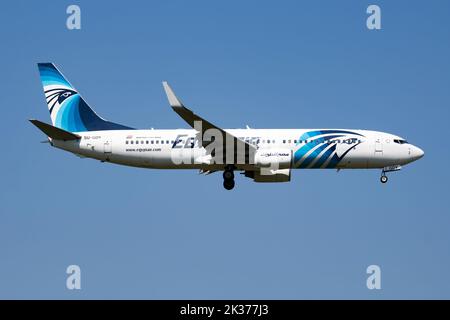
x=265 y=155
x=310 y=148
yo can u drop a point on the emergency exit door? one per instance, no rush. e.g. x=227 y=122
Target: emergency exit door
x=107 y=146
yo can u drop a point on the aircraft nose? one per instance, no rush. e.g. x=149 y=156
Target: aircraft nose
x=417 y=153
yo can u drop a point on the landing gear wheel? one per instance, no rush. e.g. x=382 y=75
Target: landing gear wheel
x=228 y=184
x=384 y=179
x=228 y=175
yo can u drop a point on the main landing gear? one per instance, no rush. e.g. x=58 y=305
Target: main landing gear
x=383 y=178
x=228 y=177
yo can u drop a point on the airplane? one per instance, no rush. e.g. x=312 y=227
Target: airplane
x=264 y=155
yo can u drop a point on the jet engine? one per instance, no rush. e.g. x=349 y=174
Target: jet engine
x=269 y=175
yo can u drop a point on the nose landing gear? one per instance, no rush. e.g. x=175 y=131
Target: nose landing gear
x=228 y=177
x=384 y=177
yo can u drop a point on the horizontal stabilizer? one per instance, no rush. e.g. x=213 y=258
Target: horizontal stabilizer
x=54 y=132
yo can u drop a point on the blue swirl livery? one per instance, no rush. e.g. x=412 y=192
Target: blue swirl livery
x=68 y=110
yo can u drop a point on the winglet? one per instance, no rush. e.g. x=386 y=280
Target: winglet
x=191 y=118
x=173 y=100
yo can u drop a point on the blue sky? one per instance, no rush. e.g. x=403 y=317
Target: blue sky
x=270 y=64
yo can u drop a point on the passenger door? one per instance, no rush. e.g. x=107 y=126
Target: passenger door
x=378 y=147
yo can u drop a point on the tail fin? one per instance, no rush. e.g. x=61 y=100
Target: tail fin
x=68 y=110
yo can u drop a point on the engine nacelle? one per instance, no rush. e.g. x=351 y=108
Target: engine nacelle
x=274 y=159
x=269 y=175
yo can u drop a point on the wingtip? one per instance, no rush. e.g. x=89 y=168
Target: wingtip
x=166 y=86
x=173 y=100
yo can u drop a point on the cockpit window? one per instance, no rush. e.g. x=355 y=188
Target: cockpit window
x=399 y=141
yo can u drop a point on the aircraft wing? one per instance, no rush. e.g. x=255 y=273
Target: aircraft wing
x=190 y=117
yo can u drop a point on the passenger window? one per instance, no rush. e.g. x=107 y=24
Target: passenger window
x=131 y=141
x=157 y=141
x=295 y=141
x=126 y=142
x=284 y=141
x=162 y=141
